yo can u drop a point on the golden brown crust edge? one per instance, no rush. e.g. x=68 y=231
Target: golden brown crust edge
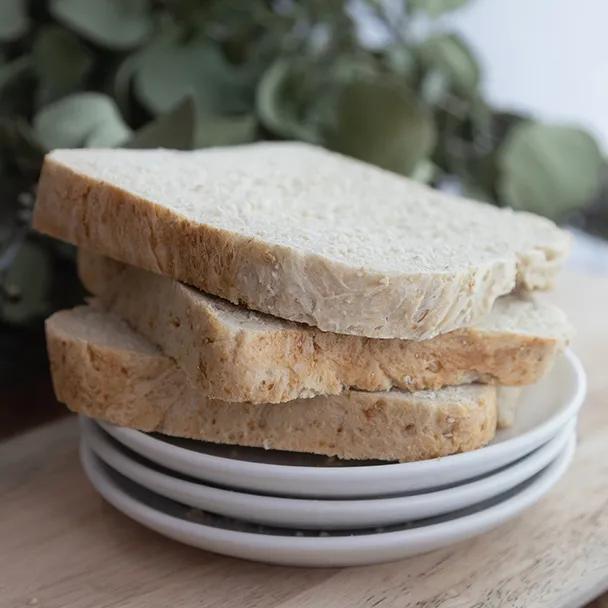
x=297 y=361
x=149 y=392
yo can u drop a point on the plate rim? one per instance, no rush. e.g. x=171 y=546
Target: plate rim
x=463 y=495
x=467 y=525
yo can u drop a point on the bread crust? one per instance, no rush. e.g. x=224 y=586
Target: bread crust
x=281 y=280
x=102 y=369
x=272 y=361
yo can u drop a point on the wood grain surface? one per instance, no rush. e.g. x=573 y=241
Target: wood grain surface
x=63 y=546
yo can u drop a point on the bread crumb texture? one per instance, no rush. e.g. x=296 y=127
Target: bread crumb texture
x=102 y=369
x=301 y=233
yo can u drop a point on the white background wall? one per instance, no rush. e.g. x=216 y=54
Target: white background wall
x=547 y=56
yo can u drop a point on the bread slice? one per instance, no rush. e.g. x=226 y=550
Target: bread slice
x=300 y=233
x=103 y=369
x=508 y=401
x=234 y=354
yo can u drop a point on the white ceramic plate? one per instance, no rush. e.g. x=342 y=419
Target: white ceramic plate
x=544 y=409
x=321 y=549
x=319 y=514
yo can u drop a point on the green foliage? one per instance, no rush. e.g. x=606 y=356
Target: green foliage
x=16 y=83
x=225 y=131
x=435 y=8
x=171 y=68
x=287 y=90
x=81 y=120
x=448 y=56
x=30 y=276
x=61 y=63
x=176 y=129
x=549 y=169
x=118 y=25
x=384 y=125
x=14 y=20
x=191 y=74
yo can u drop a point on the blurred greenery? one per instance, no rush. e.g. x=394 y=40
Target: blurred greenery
x=196 y=73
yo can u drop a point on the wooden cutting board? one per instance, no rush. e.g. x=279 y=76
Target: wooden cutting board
x=62 y=546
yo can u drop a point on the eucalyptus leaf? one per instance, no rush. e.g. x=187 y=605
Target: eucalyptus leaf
x=503 y=123
x=435 y=87
x=226 y=131
x=119 y=25
x=481 y=119
x=25 y=150
x=81 y=120
x=448 y=54
x=170 y=69
x=110 y=133
x=435 y=8
x=176 y=130
x=347 y=68
x=425 y=171
x=276 y=104
x=297 y=98
x=14 y=20
x=551 y=170
x=402 y=61
x=122 y=84
x=475 y=192
x=30 y=273
x=14 y=71
x=318 y=94
x=61 y=63
x=383 y=125
x=481 y=176
x=16 y=85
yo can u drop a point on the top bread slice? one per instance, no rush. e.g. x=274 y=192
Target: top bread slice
x=103 y=369
x=230 y=353
x=301 y=233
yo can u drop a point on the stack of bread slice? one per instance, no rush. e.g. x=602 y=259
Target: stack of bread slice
x=281 y=296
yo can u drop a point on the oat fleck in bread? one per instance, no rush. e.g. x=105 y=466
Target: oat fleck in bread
x=230 y=353
x=103 y=369
x=300 y=233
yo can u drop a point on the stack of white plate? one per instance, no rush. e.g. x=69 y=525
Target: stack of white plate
x=295 y=509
